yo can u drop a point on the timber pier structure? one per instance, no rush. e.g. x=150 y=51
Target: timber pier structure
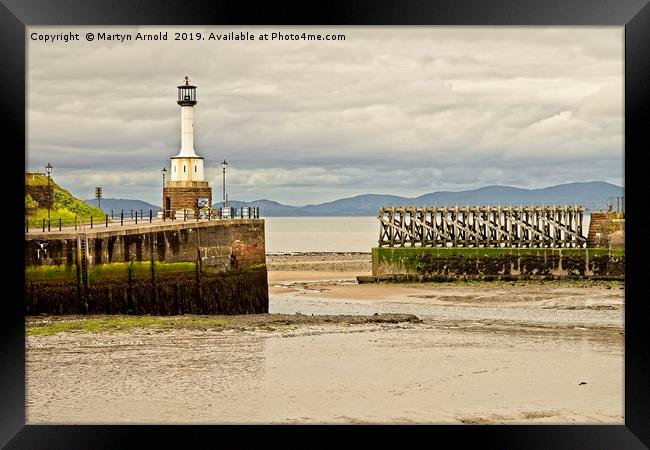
x=498 y=243
x=482 y=226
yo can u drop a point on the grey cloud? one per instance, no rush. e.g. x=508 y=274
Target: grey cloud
x=402 y=110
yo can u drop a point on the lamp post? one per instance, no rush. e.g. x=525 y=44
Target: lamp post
x=164 y=172
x=48 y=169
x=224 y=164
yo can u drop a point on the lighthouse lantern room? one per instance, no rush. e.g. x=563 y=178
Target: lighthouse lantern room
x=187 y=187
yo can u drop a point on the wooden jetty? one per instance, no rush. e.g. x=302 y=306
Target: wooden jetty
x=482 y=226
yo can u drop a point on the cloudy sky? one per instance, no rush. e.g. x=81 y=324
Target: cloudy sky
x=393 y=110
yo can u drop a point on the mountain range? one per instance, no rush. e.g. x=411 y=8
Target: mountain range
x=589 y=194
x=118 y=204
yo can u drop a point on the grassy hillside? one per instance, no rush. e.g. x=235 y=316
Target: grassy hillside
x=66 y=206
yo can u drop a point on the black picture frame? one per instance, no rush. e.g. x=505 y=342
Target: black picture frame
x=634 y=15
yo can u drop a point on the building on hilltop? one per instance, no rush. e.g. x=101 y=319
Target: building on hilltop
x=187 y=190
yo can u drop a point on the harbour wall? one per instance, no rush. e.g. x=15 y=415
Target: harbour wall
x=450 y=264
x=206 y=267
x=607 y=229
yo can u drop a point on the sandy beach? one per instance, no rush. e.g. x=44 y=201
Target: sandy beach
x=517 y=352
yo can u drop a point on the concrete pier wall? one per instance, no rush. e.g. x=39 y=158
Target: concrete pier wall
x=215 y=267
x=447 y=264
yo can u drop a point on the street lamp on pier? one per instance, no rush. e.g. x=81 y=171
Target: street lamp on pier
x=164 y=172
x=224 y=164
x=48 y=169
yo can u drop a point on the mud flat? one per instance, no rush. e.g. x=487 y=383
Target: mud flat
x=350 y=262
x=481 y=352
x=336 y=372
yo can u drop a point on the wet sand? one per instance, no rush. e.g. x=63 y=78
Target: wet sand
x=351 y=262
x=483 y=353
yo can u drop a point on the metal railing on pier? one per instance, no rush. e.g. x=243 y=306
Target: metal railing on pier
x=123 y=217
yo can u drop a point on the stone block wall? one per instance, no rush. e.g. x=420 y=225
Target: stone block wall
x=216 y=267
x=448 y=264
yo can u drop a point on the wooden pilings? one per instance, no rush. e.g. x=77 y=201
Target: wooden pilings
x=481 y=226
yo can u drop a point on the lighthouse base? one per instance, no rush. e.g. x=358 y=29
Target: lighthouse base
x=186 y=195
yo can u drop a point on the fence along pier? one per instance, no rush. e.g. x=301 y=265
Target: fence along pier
x=482 y=226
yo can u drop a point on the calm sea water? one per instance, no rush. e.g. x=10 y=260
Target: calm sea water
x=321 y=234
x=327 y=234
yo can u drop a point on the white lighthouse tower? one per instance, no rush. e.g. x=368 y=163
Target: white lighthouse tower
x=187 y=165
x=187 y=188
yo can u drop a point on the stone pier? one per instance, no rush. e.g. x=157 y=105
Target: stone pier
x=205 y=267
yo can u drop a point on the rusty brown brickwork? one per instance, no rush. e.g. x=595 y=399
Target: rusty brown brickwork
x=248 y=244
x=603 y=225
x=185 y=197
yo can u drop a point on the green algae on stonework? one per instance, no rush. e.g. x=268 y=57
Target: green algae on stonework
x=60 y=272
x=138 y=269
x=564 y=282
x=404 y=254
x=115 y=270
x=119 y=270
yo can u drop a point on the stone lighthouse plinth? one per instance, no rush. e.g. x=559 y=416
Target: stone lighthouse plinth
x=187 y=190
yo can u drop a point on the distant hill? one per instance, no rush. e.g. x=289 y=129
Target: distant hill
x=360 y=205
x=267 y=207
x=118 y=204
x=586 y=193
